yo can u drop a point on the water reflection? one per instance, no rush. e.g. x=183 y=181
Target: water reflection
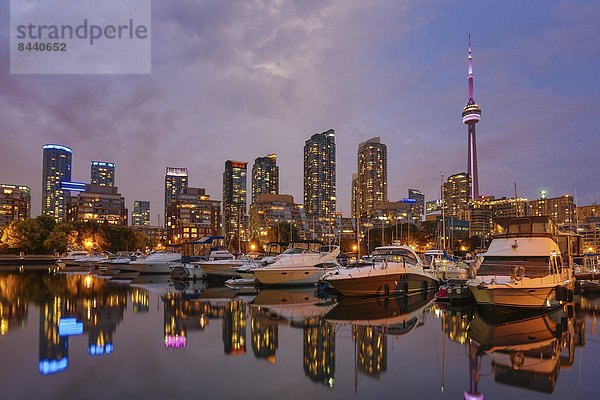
x=522 y=350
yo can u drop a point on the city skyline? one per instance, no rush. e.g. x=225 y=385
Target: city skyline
x=362 y=91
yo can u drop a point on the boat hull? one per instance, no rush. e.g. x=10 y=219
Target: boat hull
x=518 y=296
x=151 y=268
x=395 y=284
x=299 y=276
x=219 y=271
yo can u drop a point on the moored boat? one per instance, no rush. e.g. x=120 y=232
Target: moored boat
x=156 y=263
x=391 y=270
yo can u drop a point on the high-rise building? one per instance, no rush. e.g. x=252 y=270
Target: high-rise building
x=484 y=210
x=456 y=195
x=372 y=175
x=102 y=204
x=15 y=203
x=234 y=198
x=319 y=175
x=102 y=173
x=175 y=180
x=562 y=210
x=265 y=176
x=355 y=192
x=55 y=170
x=141 y=213
x=269 y=209
x=418 y=209
x=192 y=216
x=470 y=116
x=584 y=213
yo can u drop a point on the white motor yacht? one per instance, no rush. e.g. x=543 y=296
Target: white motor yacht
x=391 y=270
x=70 y=260
x=298 y=266
x=156 y=263
x=220 y=264
x=523 y=266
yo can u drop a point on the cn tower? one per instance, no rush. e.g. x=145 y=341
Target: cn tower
x=470 y=116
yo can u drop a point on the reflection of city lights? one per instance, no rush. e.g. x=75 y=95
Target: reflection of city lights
x=3 y=326
x=98 y=350
x=53 y=366
x=175 y=341
x=88 y=281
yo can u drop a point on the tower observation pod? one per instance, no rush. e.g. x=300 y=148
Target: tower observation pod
x=470 y=116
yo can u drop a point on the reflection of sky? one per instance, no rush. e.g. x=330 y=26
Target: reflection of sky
x=238 y=80
x=412 y=367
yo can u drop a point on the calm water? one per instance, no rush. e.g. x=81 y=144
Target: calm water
x=80 y=336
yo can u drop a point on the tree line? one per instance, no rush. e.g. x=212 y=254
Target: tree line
x=42 y=235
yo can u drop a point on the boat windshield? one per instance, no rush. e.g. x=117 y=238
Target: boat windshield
x=296 y=250
x=393 y=255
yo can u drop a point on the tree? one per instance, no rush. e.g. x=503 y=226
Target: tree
x=28 y=235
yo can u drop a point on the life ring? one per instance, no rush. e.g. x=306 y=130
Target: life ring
x=519 y=273
x=517 y=359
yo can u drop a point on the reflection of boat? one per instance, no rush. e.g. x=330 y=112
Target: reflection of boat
x=395 y=315
x=293 y=304
x=392 y=270
x=159 y=284
x=298 y=266
x=523 y=266
x=526 y=346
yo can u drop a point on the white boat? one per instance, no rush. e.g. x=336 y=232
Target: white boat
x=156 y=263
x=446 y=267
x=298 y=266
x=391 y=271
x=187 y=271
x=70 y=260
x=123 y=262
x=523 y=266
x=220 y=264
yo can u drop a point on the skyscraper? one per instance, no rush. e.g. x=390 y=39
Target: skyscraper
x=372 y=175
x=15 y=203
x=234 y=198
x=265 y=176
x=354 y=205
x=457 y=193
x=470 y=116
x=418 y=208
x=175 y=180
x=102 y=173
x=319 y=175
x=55 y=170
x=141 y=213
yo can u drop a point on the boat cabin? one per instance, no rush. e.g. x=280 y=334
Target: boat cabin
x=541 y=226
x=395 y=254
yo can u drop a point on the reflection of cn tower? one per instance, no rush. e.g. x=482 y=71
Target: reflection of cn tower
x=234 y=328
x=371 y=356
x=319 y=351
x=54 y=354
x=264 y=335
x=470 y=116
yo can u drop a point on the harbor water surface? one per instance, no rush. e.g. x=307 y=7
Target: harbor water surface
x=83 y=336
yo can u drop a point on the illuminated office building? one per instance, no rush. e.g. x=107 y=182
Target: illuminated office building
x=270 y=209
x=355 y=194
x=319 y=175
x=372 y=176
x=102 y=204
x=192 y=216
x=15 y=203
x=234 y=199
x=175 y=180
x=55 y=170
x=562 y=210
x=418 y=208
x=265 y=176
x=457 y=194
x=585 y=212
x=102 y=173
x=141 y=213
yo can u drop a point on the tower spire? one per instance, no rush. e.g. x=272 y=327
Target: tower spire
x=471 y=115
x=470 y=75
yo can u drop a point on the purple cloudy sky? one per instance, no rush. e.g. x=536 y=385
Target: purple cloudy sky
x=241 y=79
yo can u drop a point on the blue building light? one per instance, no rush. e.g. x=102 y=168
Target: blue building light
x=47 y=366
x=73 y=186
x=98 y=350
x=408 y=200
x=69 y=326
x=58 y=147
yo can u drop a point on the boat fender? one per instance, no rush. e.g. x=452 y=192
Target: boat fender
x=519 y=273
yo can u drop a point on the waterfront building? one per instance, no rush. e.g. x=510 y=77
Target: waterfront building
x=158 y=234
x=562 y=210
x=55 y=170
x=585 y=212
x=456 y=195
x=15 y=203
x=102 y=204
x=319 y=175
x=192 y=216
x=265 y=176
x=590 y=232
x=354 y=204
x=372 y=175
x=418 y=209
x=270 y=209
x=234 y=199
x=483 y=211
x=102 y=173
x=176 y=179
x=433 y=206
x=141 y=213
x=471 y=115
x=393 y=212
